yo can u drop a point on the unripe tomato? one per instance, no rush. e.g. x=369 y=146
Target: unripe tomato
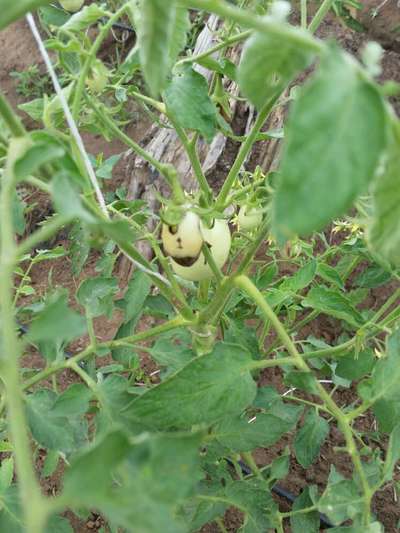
x=249 y=218
x=72 y=5
x=184 y=240
x=218 y=238
x=98 y=78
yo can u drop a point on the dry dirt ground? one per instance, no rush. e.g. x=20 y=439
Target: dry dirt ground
x=18 y=52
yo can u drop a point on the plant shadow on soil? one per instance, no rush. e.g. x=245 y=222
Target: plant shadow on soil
x=19 y=51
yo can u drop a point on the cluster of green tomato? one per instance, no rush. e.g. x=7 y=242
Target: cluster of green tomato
x=183 y=242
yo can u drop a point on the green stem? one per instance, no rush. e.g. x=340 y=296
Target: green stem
x=160 y=106
x=320 y=15
x=300 y=511
x=92 y=55
x=160 y=282
x=270 y=363
x=212 y=264
x=248 y=287
x=174 y=323
x=244 y=151
x=22 y=282
x=306 y=402
x=221 y=525
x=190 y=148
x=248 y=457
x=253 y=247
x=224 y=44
x=39 y=184
x=163 y=169
x=332 y=351
x=303 y=14
x=11 y=118
x=389 y=302
x=211 y=313
x=255 y=22
x=43 y=234
x=33 y=504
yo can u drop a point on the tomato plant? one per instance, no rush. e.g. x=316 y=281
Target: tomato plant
x=174 y=453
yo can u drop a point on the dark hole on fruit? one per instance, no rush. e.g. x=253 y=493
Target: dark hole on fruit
x=185 y=261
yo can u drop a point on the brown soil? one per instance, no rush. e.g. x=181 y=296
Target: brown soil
x=19 y=51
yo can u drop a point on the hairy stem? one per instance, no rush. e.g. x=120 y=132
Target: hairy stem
x=34 y=506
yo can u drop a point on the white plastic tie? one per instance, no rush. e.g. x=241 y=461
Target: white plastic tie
x=68 y=115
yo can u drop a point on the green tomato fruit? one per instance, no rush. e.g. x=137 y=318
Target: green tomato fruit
x=184 y=240
x=72 y=5
x=249 y=219
x=98 y=78
x=218 y=238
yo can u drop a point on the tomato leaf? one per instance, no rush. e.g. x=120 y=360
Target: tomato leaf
x=56 y=322
x=309 y=438
x=205 y=390
x=155 y=30
x=181 y=27
x=335 y=138
x=84 y=18
x=340 y=500
x=254 y=498
x=51 y=429
x=142 y=500
x=330 y=274
x=58 y=524
x=240 y=435
x=11 y=11
x=97 y=295
x=355 y=366
x=384 y=229
x=6 y=473
x=268 y=64
x=36 y=156
x=187 y=99
x=333 y=303
x=304 y=521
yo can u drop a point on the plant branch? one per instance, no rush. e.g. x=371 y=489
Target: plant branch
x=10 y=118
x=220 y=46
x=174 y=323
x=244 y=151
x=33 y=504
x=48 y=229
x=92 y=55
x=247 y=286
x=255 y=22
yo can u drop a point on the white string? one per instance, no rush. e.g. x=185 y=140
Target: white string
x=68 y=115
x=78 y=139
